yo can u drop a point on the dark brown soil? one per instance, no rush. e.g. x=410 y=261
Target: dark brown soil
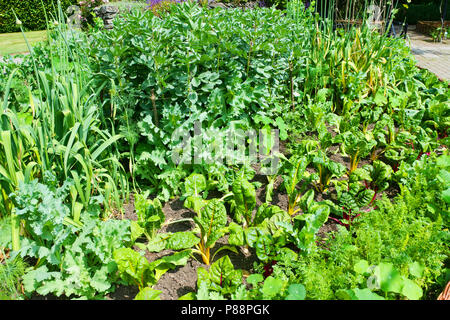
x=182 y=280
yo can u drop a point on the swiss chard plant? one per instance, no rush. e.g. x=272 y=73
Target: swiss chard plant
x=135 y=269
x=356 y=145
x=378 y=177
x=326 y=169
x=150 y=216
x=305 y=227
x=221 y=277
x=385 y=279
x=296 y=180
x=244 y=195
x=263 y=223
x=350 y=203
x=75 y=260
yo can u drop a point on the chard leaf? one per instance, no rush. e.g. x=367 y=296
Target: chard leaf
x=194 y=185
x=245 y=198
x=136 y=231
x=195 y=203
x=157 y=243
x=182 y=240
x=312 y=222
x=265 y=211
x=236 y=237
x=264 y=247
x=251 y=235
x=212 y=220
x=224 y=278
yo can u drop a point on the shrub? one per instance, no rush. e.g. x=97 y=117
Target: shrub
x=423 y=12
x=30 y=12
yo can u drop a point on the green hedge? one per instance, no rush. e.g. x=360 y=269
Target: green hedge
x=422 y=12
x=30 y=12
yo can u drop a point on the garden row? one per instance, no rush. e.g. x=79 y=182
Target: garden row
x=355 y=208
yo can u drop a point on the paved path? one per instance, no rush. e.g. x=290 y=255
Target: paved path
x=434 y=56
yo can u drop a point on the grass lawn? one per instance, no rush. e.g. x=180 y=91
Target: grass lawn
x=15 y=43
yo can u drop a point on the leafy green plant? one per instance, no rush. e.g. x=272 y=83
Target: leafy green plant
x=148 y=294
x=356 y=146
x=326 y=169
x=296 y=174
x=376 y=177
x=437 y=115
x=350 y=203
x=272 y=288
x=149 y=213
x=135 y=269
x=385 y=278
x=437 y=34
x=305 y=227
x=263 y=229
x=11 y=273
x=74 y=259
x=221 y=277
x=427 y=180
x=244 y=194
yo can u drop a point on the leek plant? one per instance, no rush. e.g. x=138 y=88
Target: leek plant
x=61 y=132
